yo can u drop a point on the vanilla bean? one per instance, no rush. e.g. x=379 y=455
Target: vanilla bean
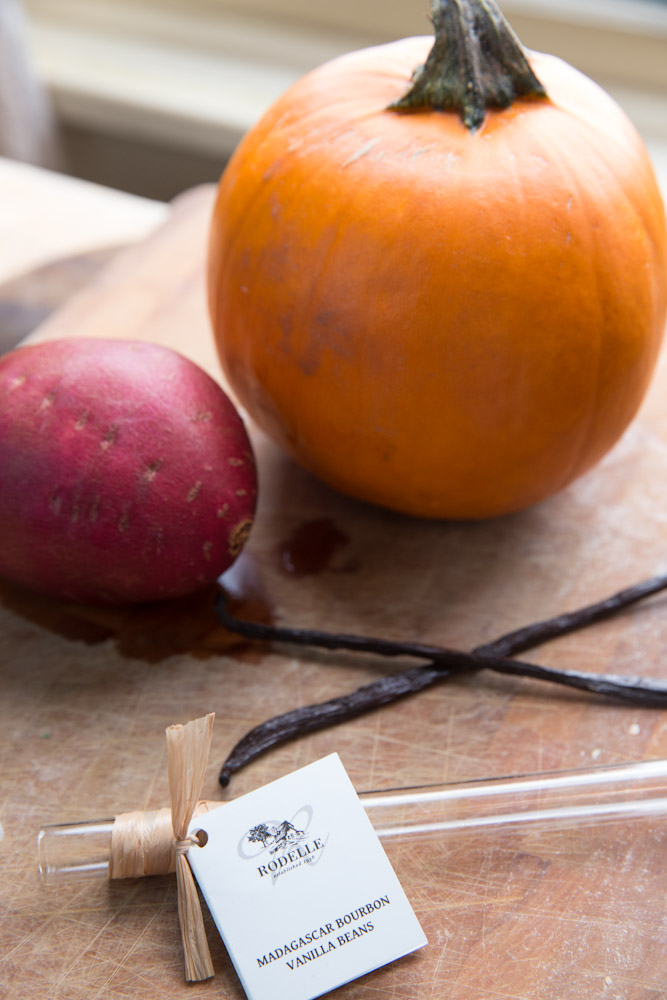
x=444 y=662
x=552 y=628
x=310 y=718
x=643 y=691
x=330 y=640
x=321 y=715
x=505 y=645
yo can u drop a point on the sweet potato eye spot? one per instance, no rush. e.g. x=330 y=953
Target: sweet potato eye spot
x=238 y=537
x=151 y=471
x=109 y=438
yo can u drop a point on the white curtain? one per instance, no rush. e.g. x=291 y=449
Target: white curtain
x=27 y=125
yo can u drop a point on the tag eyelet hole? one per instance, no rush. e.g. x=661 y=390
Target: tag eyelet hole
x=201 y=838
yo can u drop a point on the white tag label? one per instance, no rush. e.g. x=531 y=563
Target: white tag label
x=299 y=886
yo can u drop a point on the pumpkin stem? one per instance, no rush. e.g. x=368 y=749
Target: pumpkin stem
x=476 y=62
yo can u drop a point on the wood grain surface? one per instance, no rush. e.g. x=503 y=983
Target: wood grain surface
x=26 y=301
x=527 y=914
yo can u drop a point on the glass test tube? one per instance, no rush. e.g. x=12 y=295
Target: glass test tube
x=559 y=799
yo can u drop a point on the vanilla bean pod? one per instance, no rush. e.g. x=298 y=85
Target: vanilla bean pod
x=444 y=662
x=331 y=640
x=552 y=628
x=310 y=718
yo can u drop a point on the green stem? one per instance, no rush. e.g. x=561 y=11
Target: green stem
x=476 y=62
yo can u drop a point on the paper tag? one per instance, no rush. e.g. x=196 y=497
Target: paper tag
x=299 y=886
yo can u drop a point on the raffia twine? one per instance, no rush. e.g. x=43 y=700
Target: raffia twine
x=187 y=754
x=142 y=843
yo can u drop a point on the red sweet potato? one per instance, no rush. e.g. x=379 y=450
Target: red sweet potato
x=126 y=473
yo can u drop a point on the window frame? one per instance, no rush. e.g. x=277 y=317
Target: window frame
x=180 y=58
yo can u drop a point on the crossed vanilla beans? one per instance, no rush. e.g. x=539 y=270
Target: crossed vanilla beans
x=441 y=664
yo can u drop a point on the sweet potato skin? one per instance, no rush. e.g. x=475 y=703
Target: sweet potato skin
x=126 y=473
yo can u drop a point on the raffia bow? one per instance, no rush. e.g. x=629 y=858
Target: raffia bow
x=187 y=754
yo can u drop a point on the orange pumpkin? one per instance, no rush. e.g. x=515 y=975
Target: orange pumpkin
x=443 y=320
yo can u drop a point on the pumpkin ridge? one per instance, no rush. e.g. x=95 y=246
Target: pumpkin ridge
x=581 y=458
x=608 y=166
x=590 y=127
x=270 y=183
x=581 y=462
x=310 y=359
x=216 y=293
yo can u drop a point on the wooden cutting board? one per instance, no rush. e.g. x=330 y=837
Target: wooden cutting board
x=86 y=695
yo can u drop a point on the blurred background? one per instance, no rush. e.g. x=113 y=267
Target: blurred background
x=151 y=96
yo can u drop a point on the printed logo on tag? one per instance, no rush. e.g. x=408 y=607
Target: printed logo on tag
x=299 y=886
x=281 y=847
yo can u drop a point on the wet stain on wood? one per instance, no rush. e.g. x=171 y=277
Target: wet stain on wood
x=155 y=630
x=311 y=547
